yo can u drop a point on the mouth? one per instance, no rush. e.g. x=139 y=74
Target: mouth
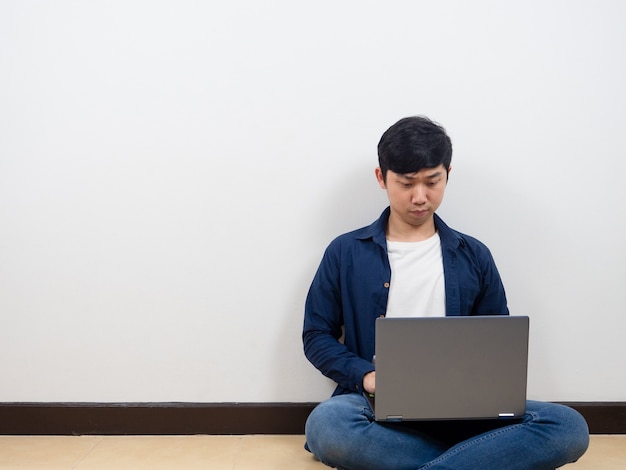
x=419 y=212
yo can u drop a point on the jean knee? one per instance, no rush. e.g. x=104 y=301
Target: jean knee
x=570 y=431
x=327 y=426
x=321 y=438
x=577 y=440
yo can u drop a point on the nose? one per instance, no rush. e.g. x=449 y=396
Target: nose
x=418 y=196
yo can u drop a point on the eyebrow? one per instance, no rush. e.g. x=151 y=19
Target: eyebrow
x=412 y=176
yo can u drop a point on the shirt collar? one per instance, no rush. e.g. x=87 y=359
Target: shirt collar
x=376 y=231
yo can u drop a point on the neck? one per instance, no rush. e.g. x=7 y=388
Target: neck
x=400 y=231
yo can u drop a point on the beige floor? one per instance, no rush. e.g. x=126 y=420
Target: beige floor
x=210 y=452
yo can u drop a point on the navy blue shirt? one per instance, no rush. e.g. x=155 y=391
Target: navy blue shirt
x=351 y=288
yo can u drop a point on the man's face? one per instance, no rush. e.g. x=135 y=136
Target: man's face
x=414 y=197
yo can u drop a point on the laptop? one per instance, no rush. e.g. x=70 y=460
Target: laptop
x=450 y=368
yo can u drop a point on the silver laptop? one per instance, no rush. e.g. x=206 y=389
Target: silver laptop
x=449 y=368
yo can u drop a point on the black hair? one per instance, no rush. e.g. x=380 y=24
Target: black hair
x=412 y=144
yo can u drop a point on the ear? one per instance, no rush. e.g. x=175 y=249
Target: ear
x=380 y=178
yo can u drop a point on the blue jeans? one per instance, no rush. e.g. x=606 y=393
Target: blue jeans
x=342 y=433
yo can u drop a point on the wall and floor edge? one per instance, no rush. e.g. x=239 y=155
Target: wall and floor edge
x=209 y=418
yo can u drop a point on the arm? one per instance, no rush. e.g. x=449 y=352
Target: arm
x=492 y=297
x=323 y=327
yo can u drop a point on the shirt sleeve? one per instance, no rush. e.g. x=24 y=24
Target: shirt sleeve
x=323 y=325
x=491 y=299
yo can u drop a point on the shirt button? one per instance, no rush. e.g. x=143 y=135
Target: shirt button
x=386 y=285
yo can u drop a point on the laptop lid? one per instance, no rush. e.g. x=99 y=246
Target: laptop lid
x=448 y=368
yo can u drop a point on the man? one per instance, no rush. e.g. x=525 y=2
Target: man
x=410 y=263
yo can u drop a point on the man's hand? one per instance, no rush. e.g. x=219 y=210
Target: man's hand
x=369 y=382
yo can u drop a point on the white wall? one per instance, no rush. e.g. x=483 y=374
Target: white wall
x=171 y=171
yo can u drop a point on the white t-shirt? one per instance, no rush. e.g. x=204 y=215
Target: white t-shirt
x=417 y=287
